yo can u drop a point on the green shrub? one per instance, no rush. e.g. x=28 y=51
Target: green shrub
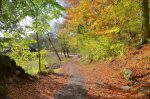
x=100 y=48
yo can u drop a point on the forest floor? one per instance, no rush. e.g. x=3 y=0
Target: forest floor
x=105 y=79
x=42 y=88
x=97 y=80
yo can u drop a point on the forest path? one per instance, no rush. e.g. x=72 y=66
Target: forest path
x=76 y=88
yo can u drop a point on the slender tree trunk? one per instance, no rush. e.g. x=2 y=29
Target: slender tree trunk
x=50 y=41
x=37 y=36
x=61 y=53
x=39 y=54
x=145 y=19
x=38 y=43
x=0 y=7
x=64 y=51
x=67 y=51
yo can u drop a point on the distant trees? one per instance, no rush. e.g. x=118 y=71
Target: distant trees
x=64 y=39
x=64 y=47
x=145 y=19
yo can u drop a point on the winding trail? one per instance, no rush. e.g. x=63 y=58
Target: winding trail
x=76 y=88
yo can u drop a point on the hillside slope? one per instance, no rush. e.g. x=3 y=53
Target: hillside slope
x=105 y=79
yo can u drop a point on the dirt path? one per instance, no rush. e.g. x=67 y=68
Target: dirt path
x=76 y=88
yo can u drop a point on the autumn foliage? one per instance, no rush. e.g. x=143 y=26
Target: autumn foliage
x=103 y=16
x=102 y=28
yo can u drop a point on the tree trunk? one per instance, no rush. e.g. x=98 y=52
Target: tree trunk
x=64 y=52
x=38 y=43
x=145 y=19
x=50 y=41
x=0 y=7
x=67 y=51
x=39 y=54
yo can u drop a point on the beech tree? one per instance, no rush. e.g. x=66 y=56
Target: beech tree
x=103 y=28
x=145 y=19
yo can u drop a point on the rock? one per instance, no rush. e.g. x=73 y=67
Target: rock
x=126 y=87
x=8 y=68
x=144 y=89
x=100 y=84
x=54 y=66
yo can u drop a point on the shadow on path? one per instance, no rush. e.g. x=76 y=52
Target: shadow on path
x=76 y=88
